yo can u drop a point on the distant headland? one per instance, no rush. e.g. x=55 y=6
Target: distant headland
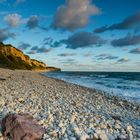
x=13 y=58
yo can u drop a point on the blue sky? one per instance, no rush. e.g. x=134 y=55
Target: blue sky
x=83 y=35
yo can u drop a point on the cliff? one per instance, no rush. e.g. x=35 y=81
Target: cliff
x=52 y=69
x=13 y=58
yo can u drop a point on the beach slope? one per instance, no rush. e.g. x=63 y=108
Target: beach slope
x=68 y=111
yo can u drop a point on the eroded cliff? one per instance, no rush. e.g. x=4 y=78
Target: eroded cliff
x=13 y=58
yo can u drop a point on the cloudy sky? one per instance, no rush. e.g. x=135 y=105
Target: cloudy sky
x=93 y=35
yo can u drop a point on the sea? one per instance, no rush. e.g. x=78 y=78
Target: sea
x=122 y=84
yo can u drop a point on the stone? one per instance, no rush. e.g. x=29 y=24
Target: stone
x=21 y=126
x=117 y=126
x=2 y=101
x=63 y=130
x=2 y=79
x=72 y=119
x=111 y=137
x=48 y=139
x=95 y=136
x=129 y=128
x=103 y=137
x=98 y=131
x=84 y=136
x=1 y=138
x=76 y=130
x=72 y=138
x=51 y=117
x=122 y=137
x=131 y=136
x=54 y=133
x=68 y=131
x=46 y=136
x=103 y=126
x=21 y=100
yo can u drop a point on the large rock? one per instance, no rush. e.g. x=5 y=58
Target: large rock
x=21 y=127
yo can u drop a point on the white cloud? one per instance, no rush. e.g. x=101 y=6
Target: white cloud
x=13 y=20
x=74 y=14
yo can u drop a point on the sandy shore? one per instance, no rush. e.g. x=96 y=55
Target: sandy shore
x=68 y=111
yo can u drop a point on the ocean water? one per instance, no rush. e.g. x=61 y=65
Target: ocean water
x=123 y=84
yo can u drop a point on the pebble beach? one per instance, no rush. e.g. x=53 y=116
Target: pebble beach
x=68 y=111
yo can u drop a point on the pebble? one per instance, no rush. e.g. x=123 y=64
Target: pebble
x=129 y=128
x=122 y=137
x=117 y=126
x=103 y=137
x=2 y=102
x=84 y=136
x=67 y=111
x=72 y=138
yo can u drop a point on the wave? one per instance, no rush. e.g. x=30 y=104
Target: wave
x=125 y=85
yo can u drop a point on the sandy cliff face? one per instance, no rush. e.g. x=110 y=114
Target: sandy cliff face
x=37 y=63
x=9 y=50
x=11 y=57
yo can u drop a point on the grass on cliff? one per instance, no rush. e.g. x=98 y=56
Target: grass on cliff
x=13 y=63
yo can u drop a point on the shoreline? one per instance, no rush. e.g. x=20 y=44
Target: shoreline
x=114 y=98
x=103 y=93
x=68 y=111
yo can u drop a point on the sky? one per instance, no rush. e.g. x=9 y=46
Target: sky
x=75 y=35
